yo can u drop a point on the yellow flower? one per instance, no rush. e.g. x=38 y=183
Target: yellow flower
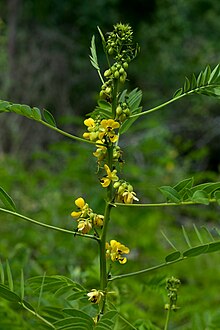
x=101 y=151
x=90 y=123
x=92 y=127
x=107 y=127
x=84 y=226
x=82 y=206
x=129 y=197
x=111 y=176
x=115 y=249
x=95 y=296
x=98 y=220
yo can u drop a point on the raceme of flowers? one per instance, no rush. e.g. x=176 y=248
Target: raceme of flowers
x=85 y=216
x=115 y=251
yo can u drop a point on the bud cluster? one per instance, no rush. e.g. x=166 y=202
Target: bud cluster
x=172 y=287
x=122 y=112
x=124 y=192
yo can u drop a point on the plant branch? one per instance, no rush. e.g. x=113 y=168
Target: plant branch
x=65 y=231
x=196 y=90
x=37 y=315
x=147 y=270
x=212 y=200
x=73 y=137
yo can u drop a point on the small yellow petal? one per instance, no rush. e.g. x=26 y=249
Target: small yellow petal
x=76 y=214
x=80 y=202
x=89 y=122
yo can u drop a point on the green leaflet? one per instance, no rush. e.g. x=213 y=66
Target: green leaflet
x=107 y=321
x=7 y=294
x=48 y=117
x=7 y=200
x=134 y=100
x=173 y=256
x=170 y=193
x=93 y=56
x=184 y=191
x=207 y=83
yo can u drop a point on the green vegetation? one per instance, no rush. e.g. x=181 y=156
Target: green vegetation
x=173 y=231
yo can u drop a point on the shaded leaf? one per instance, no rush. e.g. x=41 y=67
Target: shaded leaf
x=170 y=193
x=48 y=117
x=196 y=251
x=9 y=276
x=7 y=294
x=186 y=183
x=7 y=200
x=217 y=197
x=213 y=247
x=173 y=256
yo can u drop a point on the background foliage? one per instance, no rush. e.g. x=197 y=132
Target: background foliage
x=44 y=62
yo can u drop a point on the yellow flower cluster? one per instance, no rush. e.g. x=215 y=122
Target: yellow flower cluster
x=87 y=219
x=114 y=251
x=101 y=131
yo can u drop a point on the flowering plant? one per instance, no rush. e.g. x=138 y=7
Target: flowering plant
x=117 y=109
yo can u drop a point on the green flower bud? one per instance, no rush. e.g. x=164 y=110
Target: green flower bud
x=116 y=75
x=108 y=90
x=118 y=110
x=110 y=51
x=125 y=65
x=117 y=185
x=107 y=73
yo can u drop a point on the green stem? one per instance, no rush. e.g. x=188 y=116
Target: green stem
x=147 y=270
x=65 y=231
x=212 y=200
x=196 y=90
x=114 y=97
x=103 y=265
x=167 y=318
x=73 y=137
x=37 y=315
x=102 y=242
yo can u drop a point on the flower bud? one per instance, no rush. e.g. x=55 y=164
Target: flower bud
x=107 y=73
x=116 y=74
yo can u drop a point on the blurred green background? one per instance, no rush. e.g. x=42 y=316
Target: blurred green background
x=44 y=62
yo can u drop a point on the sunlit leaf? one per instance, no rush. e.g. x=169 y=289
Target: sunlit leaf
x=201 y=197
x=36 y=113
